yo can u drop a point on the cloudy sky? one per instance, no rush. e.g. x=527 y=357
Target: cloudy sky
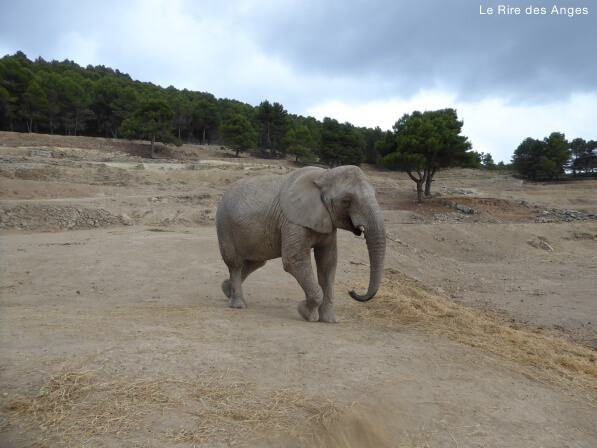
x=368 y=62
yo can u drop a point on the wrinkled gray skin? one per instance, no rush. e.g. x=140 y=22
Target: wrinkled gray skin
x=265 y=217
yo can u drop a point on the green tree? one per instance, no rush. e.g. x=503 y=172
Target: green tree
x=273 y=125
x=227 y=108
x=15 y=78
x=239 y=134
x=341 y=143
x=114 y=99
x=558 y=151
x=589 y=158
x=77 y=99
x=584 y=158
x=487 y=161
x=481 y=160
x=52 y=83
x=300 y=144
x=526 y=156
x=182 y=108
x=7 y=106
x=153 y=120
x=577 y=148
x=542 y=159
x=205 y=117
x=372 y=136
x=34 y=104
x=422 y=143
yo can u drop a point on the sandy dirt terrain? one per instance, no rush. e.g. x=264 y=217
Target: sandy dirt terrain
x=114 y=330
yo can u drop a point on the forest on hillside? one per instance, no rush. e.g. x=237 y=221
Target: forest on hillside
x=61 y=97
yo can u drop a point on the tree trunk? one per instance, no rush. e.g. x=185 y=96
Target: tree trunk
x=269 y=142
x=428 y=179
x=153 y=146
x=420 y=183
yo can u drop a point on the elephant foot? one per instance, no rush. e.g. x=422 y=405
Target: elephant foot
x=310 y=315
x=227 y=288
x=237 y=303
x=328 y=316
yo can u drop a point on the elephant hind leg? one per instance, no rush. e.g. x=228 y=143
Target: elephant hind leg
x=250 y=266
x=235 y=300
x=227 y=288
x=234 y=291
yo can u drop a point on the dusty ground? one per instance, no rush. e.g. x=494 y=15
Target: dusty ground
x=115 y=332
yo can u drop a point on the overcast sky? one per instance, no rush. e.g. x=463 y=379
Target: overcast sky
x=367 y=62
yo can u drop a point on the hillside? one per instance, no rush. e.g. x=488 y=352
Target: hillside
x=115 y=330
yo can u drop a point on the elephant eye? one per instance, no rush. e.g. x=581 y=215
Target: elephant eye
x=346 y=202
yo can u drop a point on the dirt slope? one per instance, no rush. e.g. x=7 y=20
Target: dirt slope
x=115 y=332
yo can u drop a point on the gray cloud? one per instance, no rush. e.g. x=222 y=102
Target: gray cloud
x=379 y=48
x=410 y=45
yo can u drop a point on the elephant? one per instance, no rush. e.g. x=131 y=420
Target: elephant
x=266 y=217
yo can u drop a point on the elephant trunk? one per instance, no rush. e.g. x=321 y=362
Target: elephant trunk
x=375 y=237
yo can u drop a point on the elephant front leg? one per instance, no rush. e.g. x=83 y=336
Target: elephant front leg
x=300 y=268
x=326 y=258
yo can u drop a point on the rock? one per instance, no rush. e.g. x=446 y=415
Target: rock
x=126 y=220
x=541 y=243
x=41 y=153
x=460 y=207
x=465 y=209
x=465 y=191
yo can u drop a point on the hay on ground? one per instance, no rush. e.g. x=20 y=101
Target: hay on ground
x=402 y=300
x=76 y=406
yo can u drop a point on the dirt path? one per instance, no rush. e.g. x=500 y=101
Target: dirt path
x=115 y=332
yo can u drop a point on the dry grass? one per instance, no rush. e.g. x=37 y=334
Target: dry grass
x=239 y=412
x=404 y=301
x=350 y=430
x=76 y=407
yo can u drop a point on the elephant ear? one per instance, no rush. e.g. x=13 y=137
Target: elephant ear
x=301 y=203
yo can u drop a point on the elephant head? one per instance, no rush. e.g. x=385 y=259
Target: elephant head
x=323 y=200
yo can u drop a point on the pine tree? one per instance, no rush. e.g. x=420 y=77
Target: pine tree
x=153 y=120
x=422 y=143
x=239 y=134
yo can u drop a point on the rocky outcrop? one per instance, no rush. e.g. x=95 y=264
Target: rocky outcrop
x=55 y=217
